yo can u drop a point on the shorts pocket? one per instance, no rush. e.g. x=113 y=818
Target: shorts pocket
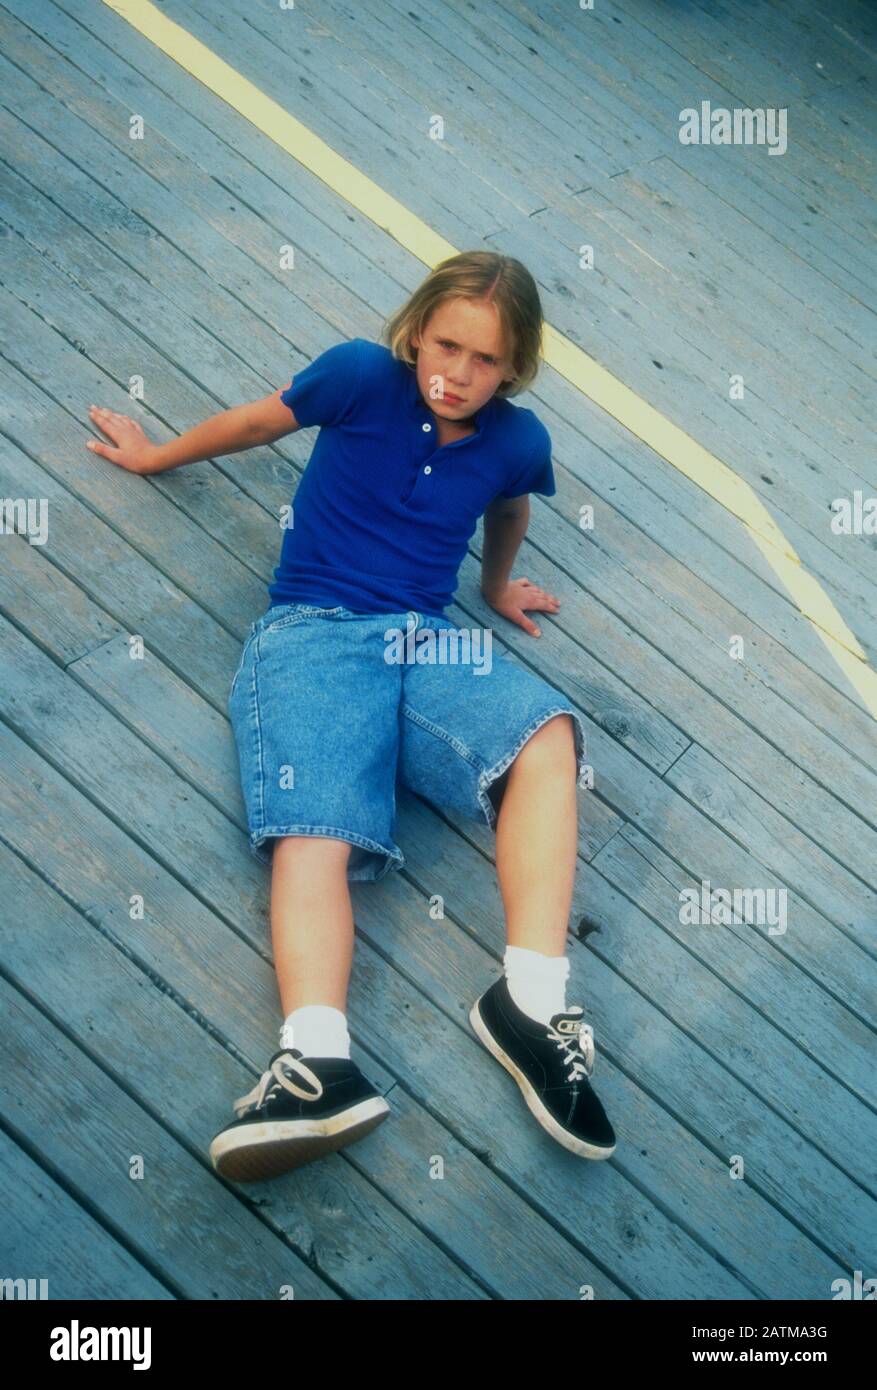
x=295 y=613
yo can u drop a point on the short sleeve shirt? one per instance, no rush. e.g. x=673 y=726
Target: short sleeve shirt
x=383 y=516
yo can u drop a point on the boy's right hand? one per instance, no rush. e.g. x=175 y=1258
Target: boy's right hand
x=130 y=448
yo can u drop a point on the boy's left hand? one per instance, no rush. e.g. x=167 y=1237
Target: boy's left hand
x=519 y=594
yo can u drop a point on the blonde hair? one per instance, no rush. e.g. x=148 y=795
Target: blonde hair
x=478 y=275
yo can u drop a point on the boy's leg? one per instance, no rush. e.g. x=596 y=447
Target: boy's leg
x=312 y=1099
x=472 y=742
x=537 y=839
x=311 y=921
x=314 y=710
x=460 y=730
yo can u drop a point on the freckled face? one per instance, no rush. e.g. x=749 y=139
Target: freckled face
x=460 y=358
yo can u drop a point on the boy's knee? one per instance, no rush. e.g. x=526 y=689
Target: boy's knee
x=553 y=738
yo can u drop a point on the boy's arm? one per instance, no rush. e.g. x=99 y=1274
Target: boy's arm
x=241 y=427
x=505 y=525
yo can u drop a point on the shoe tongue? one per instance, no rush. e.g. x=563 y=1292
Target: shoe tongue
x=306 y=1058
x=568 y=1022
x=571 y=1023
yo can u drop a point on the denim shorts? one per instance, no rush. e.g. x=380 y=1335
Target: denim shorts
x=331 y=709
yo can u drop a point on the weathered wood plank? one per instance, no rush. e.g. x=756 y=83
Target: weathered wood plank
x=350 y=57
x=795 y=1003
x=340 y=125
x=752 y=85
x=250 y=202
x=777 y=843
x=796 y=38
x=47 y=1235
x=197 y=1236
x=730 y=293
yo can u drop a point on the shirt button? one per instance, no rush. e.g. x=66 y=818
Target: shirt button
x=426 y=428
x=427 y=469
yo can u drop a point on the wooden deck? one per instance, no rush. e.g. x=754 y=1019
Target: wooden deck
x=137 y=986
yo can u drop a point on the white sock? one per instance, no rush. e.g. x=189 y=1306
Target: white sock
x=316 y=1030
x=536 y=983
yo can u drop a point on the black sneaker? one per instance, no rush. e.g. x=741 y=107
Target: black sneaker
x=300 y=1109
x=552 y=1064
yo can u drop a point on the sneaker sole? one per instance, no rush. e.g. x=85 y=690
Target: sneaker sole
x=537 y=1107
x=277 y=1146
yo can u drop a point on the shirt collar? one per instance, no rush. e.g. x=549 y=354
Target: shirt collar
x=414 y=398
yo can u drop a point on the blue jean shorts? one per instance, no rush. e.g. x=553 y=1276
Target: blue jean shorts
x=332 y=709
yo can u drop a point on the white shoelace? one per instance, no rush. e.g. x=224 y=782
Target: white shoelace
x=579 y=1049
x=279 y=1074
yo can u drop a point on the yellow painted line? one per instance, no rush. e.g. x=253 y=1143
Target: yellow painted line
x=672 y=443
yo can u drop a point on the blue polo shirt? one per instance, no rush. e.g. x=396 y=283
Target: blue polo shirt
x=382 y=517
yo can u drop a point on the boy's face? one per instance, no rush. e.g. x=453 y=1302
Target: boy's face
x=460 y=358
